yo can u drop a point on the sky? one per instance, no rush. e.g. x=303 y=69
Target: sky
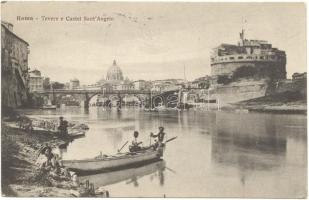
x=150 y=40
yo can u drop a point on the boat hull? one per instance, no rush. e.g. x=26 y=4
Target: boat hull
x=133 y=173
x=38 y=130
x=111 y=163
x=52 y=107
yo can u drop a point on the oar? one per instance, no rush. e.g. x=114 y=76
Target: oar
x=173 y=138
x=123 y=146
x=171 y=170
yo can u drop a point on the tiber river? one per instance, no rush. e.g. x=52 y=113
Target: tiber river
x=216 y=154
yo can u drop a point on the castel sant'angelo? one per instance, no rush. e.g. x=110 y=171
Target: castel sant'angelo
x=248 y=70
x=268 y=61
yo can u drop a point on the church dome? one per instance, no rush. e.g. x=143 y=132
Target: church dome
x=114 y=73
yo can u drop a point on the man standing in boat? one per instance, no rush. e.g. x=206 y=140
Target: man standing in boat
x=63 y=127
x=160 y=137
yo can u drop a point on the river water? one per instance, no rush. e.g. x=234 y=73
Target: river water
x=216 y=154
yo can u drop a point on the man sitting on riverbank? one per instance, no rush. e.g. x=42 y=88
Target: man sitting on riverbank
x=49 y=163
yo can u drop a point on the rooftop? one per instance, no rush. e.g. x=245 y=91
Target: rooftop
x=7 y=27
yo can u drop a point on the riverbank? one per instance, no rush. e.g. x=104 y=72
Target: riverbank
x=20 y=176
x=284 y=103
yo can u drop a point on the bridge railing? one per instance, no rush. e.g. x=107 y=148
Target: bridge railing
x=96 y=91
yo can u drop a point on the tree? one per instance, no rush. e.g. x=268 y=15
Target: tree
x=204 y=84
x=223 y=79
x=245 y=72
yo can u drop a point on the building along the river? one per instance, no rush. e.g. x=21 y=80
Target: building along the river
x=245 y=71
x=14 y=68
x=36 y=81
x=140 y=84
x=74 y=84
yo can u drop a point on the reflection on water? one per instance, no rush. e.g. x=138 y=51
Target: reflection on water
x=216 y=154
x=241 y=145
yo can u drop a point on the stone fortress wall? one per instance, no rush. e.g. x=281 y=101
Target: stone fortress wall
x=239 y=91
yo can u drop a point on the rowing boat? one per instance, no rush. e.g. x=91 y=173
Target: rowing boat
x=114 y=162
x=33 y=129
x=134 y=173
x=48 y=107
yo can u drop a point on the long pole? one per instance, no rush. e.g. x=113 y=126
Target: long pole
x=208 y=99
x=150 y=99
x=184 y=72
x=123 y=146
x=171 y=139
x=53 y=100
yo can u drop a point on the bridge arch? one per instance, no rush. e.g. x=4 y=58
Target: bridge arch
x=157 y=101
x=142 y=99
x=172 y=100
x=168 y=99
x=132 y=99
x=114 y=98
x=110 y=97
x=87 y=95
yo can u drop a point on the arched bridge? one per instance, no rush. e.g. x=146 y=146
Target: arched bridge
x=153 y=98
x=88 y=94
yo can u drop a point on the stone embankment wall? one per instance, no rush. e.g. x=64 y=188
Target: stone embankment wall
x=246 y=89
x=239 y=91
x=291 y=86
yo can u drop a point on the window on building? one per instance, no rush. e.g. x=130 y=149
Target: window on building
x=240 y=57
x=262 y=57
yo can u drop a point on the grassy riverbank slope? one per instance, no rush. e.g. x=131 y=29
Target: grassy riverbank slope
x=287 y=102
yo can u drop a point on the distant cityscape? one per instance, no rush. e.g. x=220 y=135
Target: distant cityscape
x=251 y=66
x=135 y=99
x=114 y=80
